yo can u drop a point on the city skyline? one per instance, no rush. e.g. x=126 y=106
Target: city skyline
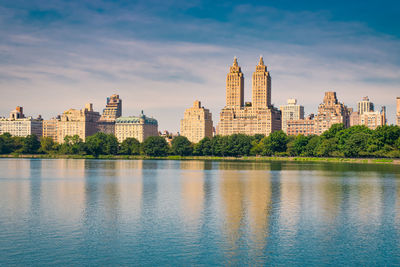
x=67 y=54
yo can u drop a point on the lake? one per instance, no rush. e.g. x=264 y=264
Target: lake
x=165 y=212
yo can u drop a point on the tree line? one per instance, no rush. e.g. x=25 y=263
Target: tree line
x=355 y=142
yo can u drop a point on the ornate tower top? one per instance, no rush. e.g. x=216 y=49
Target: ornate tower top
x=235 y=66
x=261 y=62
x=235 y=63
x=261 y=66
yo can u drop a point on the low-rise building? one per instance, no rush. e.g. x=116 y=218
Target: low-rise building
x=139 y=127
x=373 y=119
x=197 y=123
x=19 y=125
x=302 y=126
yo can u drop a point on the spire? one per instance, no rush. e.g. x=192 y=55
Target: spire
x=235 y=63
x=261 y=63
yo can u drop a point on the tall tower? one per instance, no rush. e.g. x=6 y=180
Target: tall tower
x=235 y=86
x=261 y=86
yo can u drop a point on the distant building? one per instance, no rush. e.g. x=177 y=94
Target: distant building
x=139 y=127
x=330 y=112
x=301 y=126
x=258 y=117
x=19 y=125
x=366 y=115
x=197 y=123
x=82 y=122
x=398 y=111
x=291 y=111
x=365 y=106
x=50 y=128
x=112 y=111
x=373 y=119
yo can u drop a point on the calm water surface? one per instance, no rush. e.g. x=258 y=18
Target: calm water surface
x=99 y=212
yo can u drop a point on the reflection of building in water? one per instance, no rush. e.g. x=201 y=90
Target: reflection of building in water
x=130 y=186
x=192 y=186
x=233 y=198
x=290 y=201
x=68 y=193
x=258 y=195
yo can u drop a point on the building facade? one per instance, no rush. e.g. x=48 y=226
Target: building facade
x=82 y=122
x=50 y=128
x=139 y=127
x=112 y=111
x=301 y=126
x=330 y=112
x=365 y=105
x=197 y=123
x=19 y=125
x=257 y=117
x=373 y=119
x=291 y=112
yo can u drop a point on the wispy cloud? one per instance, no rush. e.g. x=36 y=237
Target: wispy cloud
x=67 y=54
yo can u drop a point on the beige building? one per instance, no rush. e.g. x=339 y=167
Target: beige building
x=291 y=111
x=197 y=123
x=366 y=115
x=139 y=127
x=365 y=105
x=258 y=117
x=398 y=111
x=112 y=111
x=82 y=122
x=330 y=112
x=373 y=119
x=301 y=126
x=50 y=128
x=19 y=125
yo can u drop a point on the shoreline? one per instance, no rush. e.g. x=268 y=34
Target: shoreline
x=209 y=158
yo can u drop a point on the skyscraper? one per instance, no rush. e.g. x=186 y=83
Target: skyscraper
x=234 y=86
x=259 y=117
x=364 y=106
x=197 y=123
x=291 y=111
x=261 y=86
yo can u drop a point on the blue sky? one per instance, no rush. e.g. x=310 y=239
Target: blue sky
x=162 y=55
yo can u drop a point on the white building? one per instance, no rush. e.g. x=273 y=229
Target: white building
x=19 y=125
x=291 y=112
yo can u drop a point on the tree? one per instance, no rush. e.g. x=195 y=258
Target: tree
x=155 y=146
x=30 y=144
x=7 y=143
x=203 y=148
x=310 y=148
x=219 y=146
x=356 y=144
x=102 y=144
x=297 y=146
x=275 y=142
x=181 y=146
x=130 y=146
x=331 y=133
x=239 y=145
x=73 y=145
x=326 y=147
x=47 y=145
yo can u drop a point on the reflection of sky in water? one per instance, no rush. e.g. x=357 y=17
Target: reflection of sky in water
x=96 y=212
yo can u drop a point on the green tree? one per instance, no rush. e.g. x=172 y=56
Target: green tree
x=275 y=142
x=312 y=145
x=30 y=144
x=130 y=146
x=73 y=145
x=331 y=133
x=239 y=145
x=297 y=146
x=102 y=144
x=326 y=147
x=47 y=145
x=219 y=146
x=155 y=146
x=181 y=146
x=356 y=144
x=203 y=148
x=7 y=143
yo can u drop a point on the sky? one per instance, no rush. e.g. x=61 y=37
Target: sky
x=160 y=56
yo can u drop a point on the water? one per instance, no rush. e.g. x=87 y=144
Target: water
x=154 y=213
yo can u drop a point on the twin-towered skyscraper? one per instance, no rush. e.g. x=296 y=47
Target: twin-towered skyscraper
x=256 y=117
